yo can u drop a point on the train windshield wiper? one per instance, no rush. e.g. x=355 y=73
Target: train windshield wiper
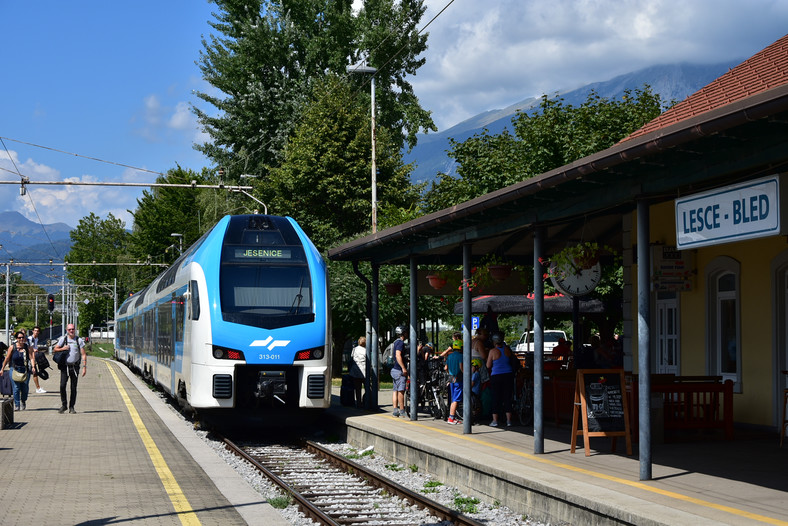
x=298 y=298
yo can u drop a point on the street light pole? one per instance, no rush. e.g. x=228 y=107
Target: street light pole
x=372 y=71
x=7 y=279
x=180 y=242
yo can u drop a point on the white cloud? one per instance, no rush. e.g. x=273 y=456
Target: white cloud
x=486 y=55
x=66 y=203
x=182 y=118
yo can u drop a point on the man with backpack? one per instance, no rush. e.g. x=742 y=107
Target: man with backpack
x=70 y=370
x=399 y=373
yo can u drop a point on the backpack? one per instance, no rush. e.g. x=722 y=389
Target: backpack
x=387 y=360
x=514 y=362
x=347 y=391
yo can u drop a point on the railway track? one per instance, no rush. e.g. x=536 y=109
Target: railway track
x=334 y=490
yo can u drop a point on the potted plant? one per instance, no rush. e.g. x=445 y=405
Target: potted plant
x=493 y=267
x=579 y=256
x=437 y=280
x=393 y=288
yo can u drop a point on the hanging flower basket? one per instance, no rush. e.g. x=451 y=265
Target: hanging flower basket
x=437 y=281
x=499 y=272
x=577 y=257
x=393 y=288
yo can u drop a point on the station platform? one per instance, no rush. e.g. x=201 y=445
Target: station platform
x=124 y=457
x=703 y=482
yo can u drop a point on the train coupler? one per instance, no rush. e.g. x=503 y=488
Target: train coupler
x=271 y=385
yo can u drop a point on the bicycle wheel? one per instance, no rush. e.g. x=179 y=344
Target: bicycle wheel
x=476 y=409
x=407 y=397
x=441 y=409
x=525 y=405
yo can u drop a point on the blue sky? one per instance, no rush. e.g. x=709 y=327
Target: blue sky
x=114 y=80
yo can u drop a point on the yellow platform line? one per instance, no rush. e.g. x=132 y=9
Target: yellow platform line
x=619 y=480
x=179 y=502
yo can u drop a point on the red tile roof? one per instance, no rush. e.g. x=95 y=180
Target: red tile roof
x=765 y=70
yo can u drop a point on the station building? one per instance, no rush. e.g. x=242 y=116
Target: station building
x=695 y=202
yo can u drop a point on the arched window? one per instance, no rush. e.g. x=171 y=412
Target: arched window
x=723 y=320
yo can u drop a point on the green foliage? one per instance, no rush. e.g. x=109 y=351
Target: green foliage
x=23 y=296
x=265 y=57
x=555 y=135
x=102 y=350
x=394 y=467
x=466 y=504
x=104 y=241
x=324 y=181
x=163 y=211
x=280 y=502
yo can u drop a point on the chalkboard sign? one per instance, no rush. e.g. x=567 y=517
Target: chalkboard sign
x=601 y=407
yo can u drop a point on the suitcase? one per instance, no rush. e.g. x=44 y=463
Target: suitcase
x=347 y=391
x=7 y=413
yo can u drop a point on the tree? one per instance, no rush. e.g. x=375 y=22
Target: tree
x=554 y=135
x=102 y=241
x=269 y=54
x=27 y=303
x=163 y=211
x=324 y=180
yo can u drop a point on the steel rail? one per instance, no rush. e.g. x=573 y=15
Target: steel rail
x=392 y=487
x=306 y=507
x=438 y=510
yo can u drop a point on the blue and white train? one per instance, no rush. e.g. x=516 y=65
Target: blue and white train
x=240 y=321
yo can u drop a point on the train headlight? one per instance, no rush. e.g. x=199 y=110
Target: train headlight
x=315 y=353
x=227 y=354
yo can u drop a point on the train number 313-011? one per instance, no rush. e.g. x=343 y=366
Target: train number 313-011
x=268 y=357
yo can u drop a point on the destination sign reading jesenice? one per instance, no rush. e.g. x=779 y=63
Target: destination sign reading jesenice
x=262 y=253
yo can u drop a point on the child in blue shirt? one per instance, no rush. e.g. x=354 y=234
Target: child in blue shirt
x=476 y=377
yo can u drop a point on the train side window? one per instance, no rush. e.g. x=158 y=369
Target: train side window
x=179 y=317
x=194 y=300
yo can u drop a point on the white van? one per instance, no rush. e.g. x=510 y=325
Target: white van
x=526 y=343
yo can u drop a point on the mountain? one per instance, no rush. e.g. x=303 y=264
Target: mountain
x=26 y=241
x=673 y=83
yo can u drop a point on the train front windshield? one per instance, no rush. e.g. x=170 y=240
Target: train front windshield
x=264 y=277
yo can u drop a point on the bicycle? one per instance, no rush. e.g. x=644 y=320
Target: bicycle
x=431 y=390
x=524 y=396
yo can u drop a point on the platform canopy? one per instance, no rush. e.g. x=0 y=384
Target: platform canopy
x=524 y=304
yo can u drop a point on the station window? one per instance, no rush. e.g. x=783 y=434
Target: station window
x=722 y=279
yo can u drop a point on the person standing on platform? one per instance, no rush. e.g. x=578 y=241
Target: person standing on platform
x=32 y=341
x=399 y=373
x=456 y=338
x=479 y=351
x=358 y=367
x=22 y=360
x=489 y=322
x=70 y=371
x=501 y=379
x=454 y=368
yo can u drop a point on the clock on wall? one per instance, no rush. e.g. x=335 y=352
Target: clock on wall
x=576 y=281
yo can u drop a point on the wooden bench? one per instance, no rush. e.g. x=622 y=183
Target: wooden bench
x=691 y=403
x=559 y=395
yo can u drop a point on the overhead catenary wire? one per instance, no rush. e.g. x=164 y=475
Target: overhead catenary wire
x=364 y=83
x=79 y=155
x=23 y=179
x=240 y=189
